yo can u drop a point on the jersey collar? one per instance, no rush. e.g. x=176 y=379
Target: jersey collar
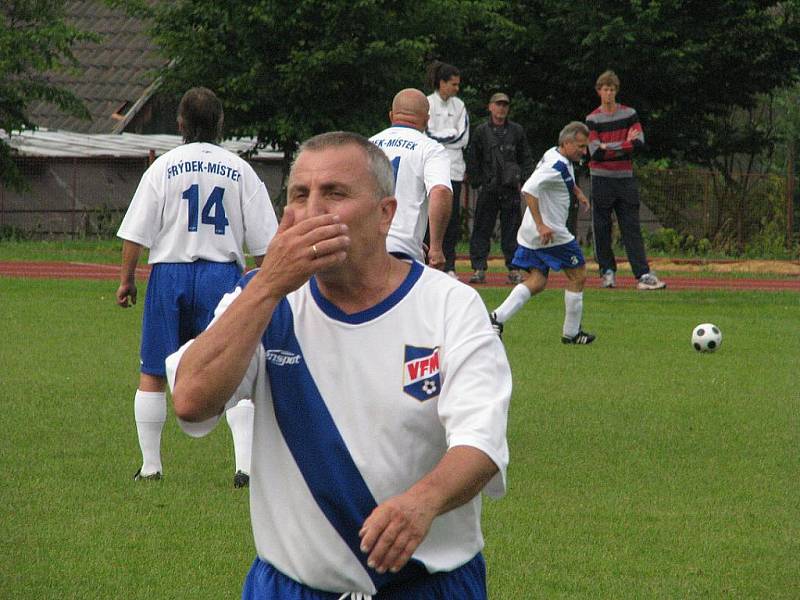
x=334 y=312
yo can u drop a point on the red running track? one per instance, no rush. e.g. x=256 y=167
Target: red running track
x=64 y=270
x=558 y=280
x=68 y=270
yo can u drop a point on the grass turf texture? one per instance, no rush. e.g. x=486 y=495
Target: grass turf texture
x=640 y=468
x=86 y=251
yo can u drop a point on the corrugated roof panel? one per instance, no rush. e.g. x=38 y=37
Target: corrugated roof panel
x=44 y=143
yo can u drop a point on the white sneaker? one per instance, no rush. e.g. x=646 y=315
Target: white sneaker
x=649 y=281
x=609 y=279
x=452 y=274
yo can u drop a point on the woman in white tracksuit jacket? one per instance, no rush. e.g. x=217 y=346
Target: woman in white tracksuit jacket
x=448 y=124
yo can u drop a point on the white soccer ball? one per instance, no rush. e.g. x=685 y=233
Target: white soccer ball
x=706 y=337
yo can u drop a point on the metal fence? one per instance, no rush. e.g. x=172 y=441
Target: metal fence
x=744 y=212
x=82 y=196
x=689 y=210
x=69 y=197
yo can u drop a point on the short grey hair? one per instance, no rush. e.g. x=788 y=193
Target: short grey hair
x=571 y=131
x=377 y=162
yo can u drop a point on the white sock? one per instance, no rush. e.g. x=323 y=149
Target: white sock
x=573 y=313
x=240 y=420
x=513 y=302
x=150 y=412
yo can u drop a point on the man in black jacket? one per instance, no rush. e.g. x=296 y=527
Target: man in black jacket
x=498 y=161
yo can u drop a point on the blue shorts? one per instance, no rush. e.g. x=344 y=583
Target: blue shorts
x=468 y=582
x=179 y=304
x=564 y=256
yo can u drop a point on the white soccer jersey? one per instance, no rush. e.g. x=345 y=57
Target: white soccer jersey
x=354 y=409
x=419 y=164
x=552 y=183
x=448 y=124
x=200 y=201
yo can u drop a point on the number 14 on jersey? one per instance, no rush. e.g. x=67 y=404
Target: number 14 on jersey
x=213 y=203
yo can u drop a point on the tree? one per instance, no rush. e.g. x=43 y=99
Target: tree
x=34 y=39
x=684 y=64
x=701 y=75
x=288 y=69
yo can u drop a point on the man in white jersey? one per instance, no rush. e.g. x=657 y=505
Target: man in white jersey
x=422 y=179
x=195 y=207
x=544 y=242
x=381 y=397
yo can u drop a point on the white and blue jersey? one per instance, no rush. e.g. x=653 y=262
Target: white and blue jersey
x=354 y=409
x=200 y=202
x=419 y=164
x=552 y=183
x=195 y=208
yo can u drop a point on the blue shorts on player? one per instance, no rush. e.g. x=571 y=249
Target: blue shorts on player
x=564 y=256
x=468 y=582
x=179 y=304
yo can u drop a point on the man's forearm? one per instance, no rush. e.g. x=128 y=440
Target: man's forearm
x=441 y=205
x=580 y=195
x=461 y=474
x=214 y=365
x=130 y=259
x=398 y=525
x=533 y=206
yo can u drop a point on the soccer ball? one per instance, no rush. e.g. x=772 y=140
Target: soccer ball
x=706 y=337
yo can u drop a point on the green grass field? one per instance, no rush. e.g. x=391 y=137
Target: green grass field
x=88 y=250
x=639 y=468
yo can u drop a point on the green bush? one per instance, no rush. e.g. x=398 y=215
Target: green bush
x=769 y=240
x=670 y=242
x=665 y=240
x=11 y=233
x=103 y=222
x=741 y=215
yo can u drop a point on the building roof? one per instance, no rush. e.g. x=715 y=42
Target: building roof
x=116 y=76
x=45 y=143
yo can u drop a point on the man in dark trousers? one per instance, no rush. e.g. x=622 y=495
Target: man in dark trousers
x=499 y=160
x=615 y=133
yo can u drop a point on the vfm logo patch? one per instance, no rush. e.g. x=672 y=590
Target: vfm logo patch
x=421 y=372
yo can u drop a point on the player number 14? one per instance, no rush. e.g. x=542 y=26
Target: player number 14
x=214 y=203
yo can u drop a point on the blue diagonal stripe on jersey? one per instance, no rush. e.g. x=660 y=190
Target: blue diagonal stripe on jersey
x=318 y=448
x=563 y=169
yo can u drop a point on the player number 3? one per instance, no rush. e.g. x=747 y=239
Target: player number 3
x=214 y=203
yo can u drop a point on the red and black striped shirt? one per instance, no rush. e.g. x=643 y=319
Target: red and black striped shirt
x=614 y=130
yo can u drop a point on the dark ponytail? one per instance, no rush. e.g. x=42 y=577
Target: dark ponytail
x=441 y=71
